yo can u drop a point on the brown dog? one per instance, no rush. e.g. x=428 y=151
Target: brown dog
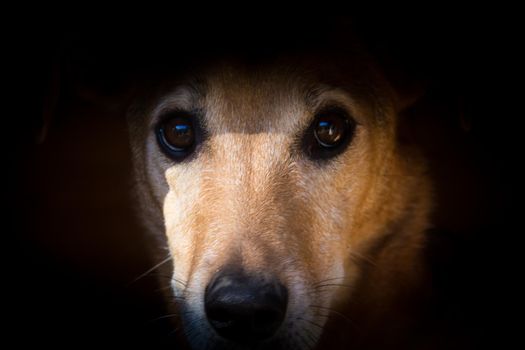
x=293 y=216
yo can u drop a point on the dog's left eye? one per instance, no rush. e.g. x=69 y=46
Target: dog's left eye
x=330 y=130
x=329 y=134
x=176 y=135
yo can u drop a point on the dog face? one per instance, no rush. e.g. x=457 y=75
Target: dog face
x=273 y=185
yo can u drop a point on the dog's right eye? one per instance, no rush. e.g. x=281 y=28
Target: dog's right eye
x=176 y=136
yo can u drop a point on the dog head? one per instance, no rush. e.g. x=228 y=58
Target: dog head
x=274 y=185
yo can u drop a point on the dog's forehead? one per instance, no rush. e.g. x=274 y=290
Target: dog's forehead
x=255 y=101
x=280 y=98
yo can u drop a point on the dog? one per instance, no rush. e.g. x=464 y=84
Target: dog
x=292 y=213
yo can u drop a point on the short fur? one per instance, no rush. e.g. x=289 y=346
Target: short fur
x=345 y=236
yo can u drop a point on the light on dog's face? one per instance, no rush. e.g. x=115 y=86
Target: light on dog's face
x=267 y=196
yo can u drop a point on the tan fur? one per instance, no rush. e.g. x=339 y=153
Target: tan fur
x=345 y=235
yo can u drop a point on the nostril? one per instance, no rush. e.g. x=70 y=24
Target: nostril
x=221 y=315
x=245 y=310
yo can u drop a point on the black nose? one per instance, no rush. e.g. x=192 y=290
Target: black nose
x=245 y=309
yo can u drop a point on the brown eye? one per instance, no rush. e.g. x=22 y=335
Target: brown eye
x=176 y=136
x=330 y=130
x=329 y=134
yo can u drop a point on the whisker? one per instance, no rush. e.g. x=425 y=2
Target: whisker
x=308 y=337
x=179 y=281
x=326 y=316
x=311 y=322
x=176 y=330
x=305 y=342
x=178 y=297
x=173 y=332
x=333 y=285
x=346 y=318
x=313 y=339
x=162 y=318
x=189 y=327
x=191 y=333
x=162 y=289
x=362 y=257
x=328 y=280
x=169 y=287
x=150 y=270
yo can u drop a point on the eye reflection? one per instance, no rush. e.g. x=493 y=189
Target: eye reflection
x=176 y=136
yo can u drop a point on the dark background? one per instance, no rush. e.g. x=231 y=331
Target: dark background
x=73 y=246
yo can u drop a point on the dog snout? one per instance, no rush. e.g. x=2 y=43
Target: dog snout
x=245 y=309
